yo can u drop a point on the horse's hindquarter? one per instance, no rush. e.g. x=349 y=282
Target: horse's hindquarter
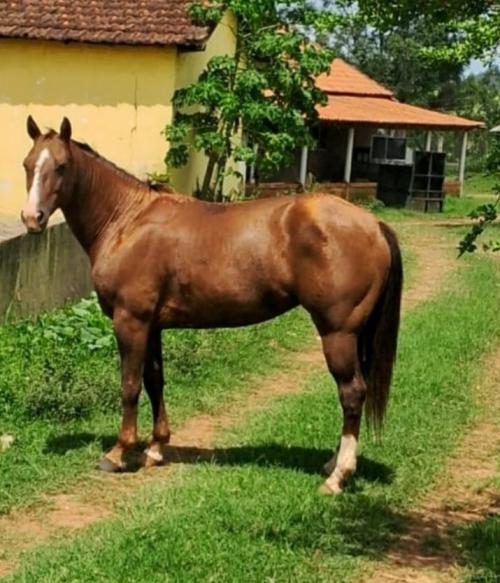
x=340 y=259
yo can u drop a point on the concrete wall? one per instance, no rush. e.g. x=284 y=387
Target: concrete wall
x=40 y=272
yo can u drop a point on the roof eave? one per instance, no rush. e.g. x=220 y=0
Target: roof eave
x=197 y=44
x=404 y=125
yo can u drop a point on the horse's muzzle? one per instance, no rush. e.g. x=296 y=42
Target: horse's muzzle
x=34 y=223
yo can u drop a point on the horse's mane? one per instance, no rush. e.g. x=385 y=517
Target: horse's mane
x=123 y=173
x=150 y=184
x=161 y=188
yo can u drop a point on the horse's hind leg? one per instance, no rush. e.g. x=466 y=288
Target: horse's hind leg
x=153 y=383
x=341 y=353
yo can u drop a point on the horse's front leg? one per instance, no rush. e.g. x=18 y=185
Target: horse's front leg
x=132 y=336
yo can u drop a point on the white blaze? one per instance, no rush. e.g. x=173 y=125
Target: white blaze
x=36 y=186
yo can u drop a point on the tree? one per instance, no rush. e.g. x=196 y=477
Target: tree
x=265 y=89
x=394 y=58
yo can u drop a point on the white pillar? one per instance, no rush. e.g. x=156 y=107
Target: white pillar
x=251 y=178
x=461 y=168
x=348 y=157
x=428 y=141
x=242 y=166
x=440 y=145
x=303 y=165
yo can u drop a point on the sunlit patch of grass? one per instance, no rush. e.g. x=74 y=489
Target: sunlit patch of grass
x=480 y=183
x=454 y=208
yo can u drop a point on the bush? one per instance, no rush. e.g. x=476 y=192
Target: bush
x=57 y=366
x=64 y=365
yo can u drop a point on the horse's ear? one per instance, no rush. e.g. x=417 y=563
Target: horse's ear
x=65 y=131
x=33 y=130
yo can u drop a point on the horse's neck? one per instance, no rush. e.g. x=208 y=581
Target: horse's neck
x=103 y=199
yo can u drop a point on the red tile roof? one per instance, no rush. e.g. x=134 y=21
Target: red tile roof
x=134 y=22
x=382 y=112
x=355 y=99
x=344 y=79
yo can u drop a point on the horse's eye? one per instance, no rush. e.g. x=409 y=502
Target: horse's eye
x=61 y=168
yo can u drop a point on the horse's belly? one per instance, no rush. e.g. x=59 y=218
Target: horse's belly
x=223 y=311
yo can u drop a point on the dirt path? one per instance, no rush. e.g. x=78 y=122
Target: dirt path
x=428 y=553
x=93 y=500
x=435 y=259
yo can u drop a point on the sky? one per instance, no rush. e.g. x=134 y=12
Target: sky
x=476 y=66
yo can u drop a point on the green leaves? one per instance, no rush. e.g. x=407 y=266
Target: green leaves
x=265 y=90
x=485 y=214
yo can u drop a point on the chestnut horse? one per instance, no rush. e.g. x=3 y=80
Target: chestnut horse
x=161 y=260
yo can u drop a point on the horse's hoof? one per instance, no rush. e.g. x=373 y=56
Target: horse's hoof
x=153 y=456
x=326 y=490
x=106 y=465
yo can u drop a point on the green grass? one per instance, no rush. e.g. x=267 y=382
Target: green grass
x=59 y=388
x=254 y=513
x=480 y=543
x=480 y=183
x=454 y=208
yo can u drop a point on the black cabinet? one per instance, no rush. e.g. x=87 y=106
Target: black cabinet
x=393 y=184
x=427 y=182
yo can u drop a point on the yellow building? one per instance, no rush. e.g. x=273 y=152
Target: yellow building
x=111 y=67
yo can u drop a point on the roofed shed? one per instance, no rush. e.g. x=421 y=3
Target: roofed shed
x=359 y=114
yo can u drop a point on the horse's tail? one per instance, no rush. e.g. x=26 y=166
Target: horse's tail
x=379 y=339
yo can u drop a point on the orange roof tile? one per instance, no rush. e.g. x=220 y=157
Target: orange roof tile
x=380 y=112
x=130 y=22
x=344 y=79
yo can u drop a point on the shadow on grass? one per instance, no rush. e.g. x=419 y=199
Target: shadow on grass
x=355 y=525
x=303 y=459
x=62 y=444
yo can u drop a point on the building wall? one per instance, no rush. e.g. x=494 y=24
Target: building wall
x=117 y=98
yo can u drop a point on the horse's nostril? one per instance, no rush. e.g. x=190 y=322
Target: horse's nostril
x=40 y=216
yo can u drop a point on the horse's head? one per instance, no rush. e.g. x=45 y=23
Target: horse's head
x=48 y=168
